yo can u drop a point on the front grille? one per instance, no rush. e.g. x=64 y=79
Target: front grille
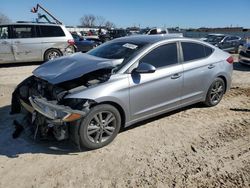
x=42 y=88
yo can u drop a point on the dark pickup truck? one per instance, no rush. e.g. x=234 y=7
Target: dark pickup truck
x=225 y=42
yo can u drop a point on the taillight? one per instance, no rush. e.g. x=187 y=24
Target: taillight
x=230 y=60
x=71 y=42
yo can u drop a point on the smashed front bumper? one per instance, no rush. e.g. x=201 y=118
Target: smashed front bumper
x=51 y=110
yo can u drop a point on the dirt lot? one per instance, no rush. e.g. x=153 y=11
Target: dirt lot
x=193 y=147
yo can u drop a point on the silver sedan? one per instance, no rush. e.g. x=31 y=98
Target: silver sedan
x=89 y=97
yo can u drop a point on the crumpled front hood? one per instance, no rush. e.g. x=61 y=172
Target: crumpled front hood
x=70 y=67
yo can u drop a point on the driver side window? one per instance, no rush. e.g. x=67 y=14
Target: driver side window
x=162 y=56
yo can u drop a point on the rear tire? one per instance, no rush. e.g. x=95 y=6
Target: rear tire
x=52 y=54
x=215 y=92
x=100 y=126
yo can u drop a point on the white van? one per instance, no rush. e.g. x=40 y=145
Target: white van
x=26 y=42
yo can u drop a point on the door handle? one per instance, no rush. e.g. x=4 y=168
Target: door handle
x=211 y=66
x=175 y=76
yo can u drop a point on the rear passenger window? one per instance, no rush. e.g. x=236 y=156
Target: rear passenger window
x=51 y=31
x=208 y=50
x=162 y=56
x=193 y=51
x=24 y=31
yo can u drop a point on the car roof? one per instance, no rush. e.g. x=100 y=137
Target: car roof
x=147 y=38
x=32 y=23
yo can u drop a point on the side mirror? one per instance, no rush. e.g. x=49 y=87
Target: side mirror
x=145 y=68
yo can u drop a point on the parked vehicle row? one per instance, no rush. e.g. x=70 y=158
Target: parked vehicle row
x=225 y=42
x=88 y=97
x=25 y=42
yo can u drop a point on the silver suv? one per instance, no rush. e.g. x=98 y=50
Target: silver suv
x=26 y=42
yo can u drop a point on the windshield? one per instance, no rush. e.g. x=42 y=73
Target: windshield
x=118 y=50
x=214 y=38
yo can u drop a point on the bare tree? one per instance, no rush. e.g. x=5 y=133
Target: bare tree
x=88 y=20
x=91 y=20
x=109 y=24
x=100 y=21
x=4 y=19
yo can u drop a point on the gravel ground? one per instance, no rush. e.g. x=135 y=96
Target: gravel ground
x=191 y=147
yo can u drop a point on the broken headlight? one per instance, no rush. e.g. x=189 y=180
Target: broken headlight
x=54 y=111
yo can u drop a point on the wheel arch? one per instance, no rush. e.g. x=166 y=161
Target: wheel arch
x=225 y=81
x=118 y=107
x=223 y=77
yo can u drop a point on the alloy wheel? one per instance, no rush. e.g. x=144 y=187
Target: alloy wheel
x=101 y=127
x=217 y=92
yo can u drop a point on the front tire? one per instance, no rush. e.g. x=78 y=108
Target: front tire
x=100 y=126
x=215 y=92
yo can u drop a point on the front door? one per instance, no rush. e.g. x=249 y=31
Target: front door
x=152 y=93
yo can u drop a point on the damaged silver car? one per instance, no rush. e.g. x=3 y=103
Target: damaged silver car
x=90 y=97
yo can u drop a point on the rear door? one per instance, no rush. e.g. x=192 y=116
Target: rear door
x=26 y=45
x=197 y=71
x=151 y=93
x=6 y=53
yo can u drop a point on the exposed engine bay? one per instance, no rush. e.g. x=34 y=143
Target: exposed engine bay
x=47 y=113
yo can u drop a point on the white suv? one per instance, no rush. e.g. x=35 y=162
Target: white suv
x=26 y=42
